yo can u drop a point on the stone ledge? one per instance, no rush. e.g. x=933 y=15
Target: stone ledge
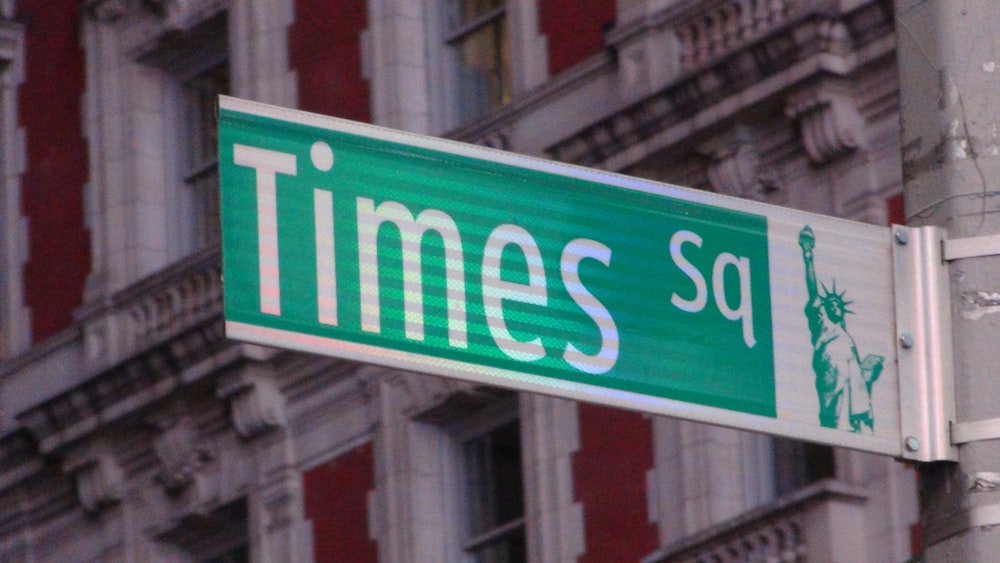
x=781 y=517
x=804 y=45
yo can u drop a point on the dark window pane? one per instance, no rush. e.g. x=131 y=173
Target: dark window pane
x=495 y=494
x=796 y=464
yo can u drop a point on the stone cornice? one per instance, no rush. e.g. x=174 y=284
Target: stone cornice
x=129 y=350
x=18 y=458
x=802 y=45
x=780 y=519
x=124 y=388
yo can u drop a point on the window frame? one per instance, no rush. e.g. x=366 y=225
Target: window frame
x=199 y=174
x=179 y=58
x=527 y=53
x=492 y=417
x=461 y=35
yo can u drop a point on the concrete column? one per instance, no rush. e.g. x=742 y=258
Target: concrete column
x=949 y=60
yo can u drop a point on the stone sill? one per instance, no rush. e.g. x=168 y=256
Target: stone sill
x=790 y=506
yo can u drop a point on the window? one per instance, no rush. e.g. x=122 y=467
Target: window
x=797 y=464
x=201 y=175
x=494 y=495
x=479 y=56
x=217 y=536
x=193 y=70
x=774 y=466
x=237 y=555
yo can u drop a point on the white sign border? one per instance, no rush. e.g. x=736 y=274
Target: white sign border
x=555 y=387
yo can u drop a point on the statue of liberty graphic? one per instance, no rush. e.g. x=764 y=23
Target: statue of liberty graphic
x=842 y=378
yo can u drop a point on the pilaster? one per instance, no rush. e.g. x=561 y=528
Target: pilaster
x=554 y=520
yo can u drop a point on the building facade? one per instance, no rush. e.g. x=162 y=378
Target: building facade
x=131 y=429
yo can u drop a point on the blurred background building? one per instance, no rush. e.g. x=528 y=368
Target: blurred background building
x=131 y=429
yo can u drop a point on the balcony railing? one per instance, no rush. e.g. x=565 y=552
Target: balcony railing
x=165 y=304
x=722 y=28
x=802 y=526
x=135 y=348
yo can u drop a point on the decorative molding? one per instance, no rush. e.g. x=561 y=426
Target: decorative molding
x=154 y=309
x=829 y=120
x=800 y=46
x=256 y=403
x=176 y=304
x=173 y=14
x=716 y=30
x=736 y=170
x=100 y=480
x=441 y=401
x=426 y=398
x=127 y=386
x=774 y=532
x=181 y=459
x=107 y=11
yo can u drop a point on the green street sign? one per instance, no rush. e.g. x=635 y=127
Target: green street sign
x=428 y=255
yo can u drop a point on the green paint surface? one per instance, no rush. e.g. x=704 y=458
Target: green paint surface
x=698 y=357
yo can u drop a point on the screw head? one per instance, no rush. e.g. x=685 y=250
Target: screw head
x=912 y=443
x=906 y=340
x=901 y=236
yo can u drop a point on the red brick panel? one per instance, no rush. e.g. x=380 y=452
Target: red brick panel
x=609 y=479
x=336 y=502
x=897 y=215
x=573 y=29
x=324 y=47
x=50 y=112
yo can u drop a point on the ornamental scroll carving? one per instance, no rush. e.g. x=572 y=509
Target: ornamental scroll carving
x=829 y=121
x=736 y=170
x=735 y=165
x=181 y=459
x=100 y=481
x=255 y=401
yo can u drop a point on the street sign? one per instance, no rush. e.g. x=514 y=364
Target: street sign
x=429 y=255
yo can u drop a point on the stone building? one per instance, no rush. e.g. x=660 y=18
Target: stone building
x=131 y=429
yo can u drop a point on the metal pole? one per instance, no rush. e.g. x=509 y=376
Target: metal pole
x=949 y=65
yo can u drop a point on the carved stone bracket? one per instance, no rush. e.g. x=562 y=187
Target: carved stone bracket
x=829 y=120
x=736 y=170
x=180 y=458
x=735 y=166
x=100 y=481
x=256 y=403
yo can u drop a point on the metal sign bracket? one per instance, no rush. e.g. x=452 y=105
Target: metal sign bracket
x=924 y=345
x=975 y=431
x=971 y=247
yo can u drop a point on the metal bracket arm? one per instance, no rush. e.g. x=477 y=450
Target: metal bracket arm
x=975 y=431
x=972 y=247
x=924 y=348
